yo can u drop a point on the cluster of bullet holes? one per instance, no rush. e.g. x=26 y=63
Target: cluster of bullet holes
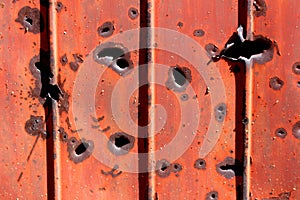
x=31 y=19
x=115 y=56
x=63 y=134
x=296 y=70
x=164 y=168
x=178 y=78
x=35 y=126
x=74 y=65
x=133 y=13
x=120 y=143
x=79 y=150
x=200 y=164
x=106 y=29
x=220 y=112
x=213 y=195
x=230 y=168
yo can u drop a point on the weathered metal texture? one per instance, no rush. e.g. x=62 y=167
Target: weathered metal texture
x=81 y=26
x=275 y=155
x=199 y=161
x=23 y=150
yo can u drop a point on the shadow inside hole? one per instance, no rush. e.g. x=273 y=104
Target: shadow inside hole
x=28 y=20
x=113 y=52
x=121 y=141
x=179 y=76
x=81 y=148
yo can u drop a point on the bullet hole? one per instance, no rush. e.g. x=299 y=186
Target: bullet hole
x=74 y=66
x=106 y=29
x=198 y=33
x=180 y=24
x=296 y=130
x=276 y=83
x=230 y=168
x=133 y=13
x=122 y=63
x=220 y=112
x=31 y=19
x=212 y=50
x=296 y=68
x=120 y=143
x=114 y=56
x=63 y=60
x=111 y=52
x=213 y=195
x=260 y=8
x=163 y=168
x=298 y=84
x=200 y=164
x=79 y=150
x=35 y=125
x=63 y=134
x=59 y=6
x=176 y=167
x=259 y=50
x=179 y=78
x=281 y=132
x=184 y=97
x=245 y=121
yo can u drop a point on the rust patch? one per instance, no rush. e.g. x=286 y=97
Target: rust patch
x=276 y=83
x=260 y=8
x=281 y=196
x=31 y=19
x=35 y=125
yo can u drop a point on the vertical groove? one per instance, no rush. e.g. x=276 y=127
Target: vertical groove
x=48 y=105
x=241 y=108
x=143 y=113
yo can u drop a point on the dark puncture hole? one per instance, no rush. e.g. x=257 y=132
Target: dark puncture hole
x=28 y=20
x=81 y=148
x=106 y=29
x=114 y=52
x=200 y=164
x=281 y=132
x=121 y=141
x=122 y=63
x=296 y=130
x=163 y=168
x=133 y=13
x=212 y=196
x=176 y=167
x=198 y=33
x=179 y=76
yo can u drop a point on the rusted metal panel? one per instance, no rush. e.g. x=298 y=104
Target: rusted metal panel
x=86 y=32
x=23 y=150
x=275 y=167
x=194 y=133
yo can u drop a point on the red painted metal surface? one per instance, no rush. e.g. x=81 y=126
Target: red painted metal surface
x=275 y=157
x=116 y=79
x=23 y=173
